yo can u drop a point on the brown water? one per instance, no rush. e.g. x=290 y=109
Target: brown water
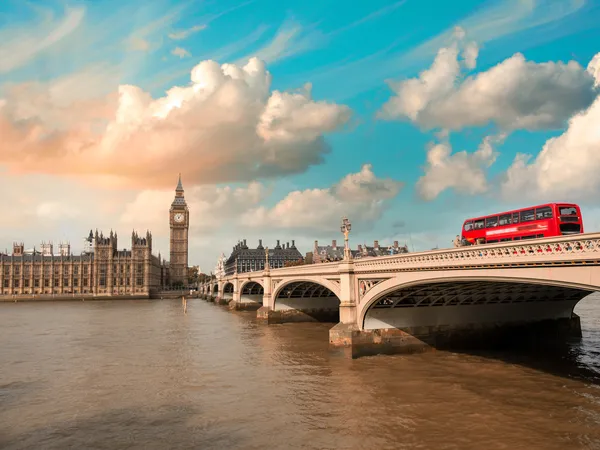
x=141 y=374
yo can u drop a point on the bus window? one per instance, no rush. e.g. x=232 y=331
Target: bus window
x=505 y=220
x=515 y=218
x=543 y=213
x=491 y=222
x=527 y=215
x=478 y=224
x=468 y=226
x=567 y=211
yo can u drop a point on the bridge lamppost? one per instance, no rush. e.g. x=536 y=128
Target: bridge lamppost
x=345 y=228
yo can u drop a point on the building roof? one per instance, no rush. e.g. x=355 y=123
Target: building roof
x=242 y=251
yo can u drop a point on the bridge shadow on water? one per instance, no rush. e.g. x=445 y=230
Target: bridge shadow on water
x=570 y=358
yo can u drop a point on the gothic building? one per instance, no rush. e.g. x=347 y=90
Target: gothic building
x=244 y=259
x=101 y=270
x=179 y=219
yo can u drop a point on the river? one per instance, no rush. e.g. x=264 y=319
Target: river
x=141 y=374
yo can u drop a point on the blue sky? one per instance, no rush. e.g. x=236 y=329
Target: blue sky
x=355 y=141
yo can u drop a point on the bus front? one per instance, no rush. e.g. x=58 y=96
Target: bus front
x=569 y=219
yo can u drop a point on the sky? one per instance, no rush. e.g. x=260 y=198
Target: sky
x=405 y=116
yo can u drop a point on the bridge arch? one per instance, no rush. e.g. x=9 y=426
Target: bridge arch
x=252 y=287
x=228 y=289
x=307 y=299
x=513 y=296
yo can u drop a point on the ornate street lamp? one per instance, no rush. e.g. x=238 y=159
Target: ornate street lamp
x=345 y=228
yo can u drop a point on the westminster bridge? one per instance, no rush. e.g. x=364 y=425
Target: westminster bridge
x=410 y=302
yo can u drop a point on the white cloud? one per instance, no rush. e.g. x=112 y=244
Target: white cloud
x=291 y=39
x=147 y=37
x=514 y=94
x=20 y=45
x=360 y=196
x=567 y=166
x=183 y=34
x=54 y=210
x=461 y=171
x=181 y=52
x=225 y=126
x=211 y=207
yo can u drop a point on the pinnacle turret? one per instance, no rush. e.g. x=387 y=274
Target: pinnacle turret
x=179 y=185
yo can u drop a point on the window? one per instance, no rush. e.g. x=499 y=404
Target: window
x=543 y=213
x=75 y=270
x=85 y=281
x=567 y=211
x=36 y=283
x=468 y=226
x=478 y=224
x=505 y=219
x=66 y=270
x=17 y=270
x=7 y=271
x=16 y=283
x=46 y=282
x=66 y=282
x=56 y=282
x=5 y=283
x=85 y=270
x=527 y=215
x=491 y=222
x=515 y=217
x=26 y=283
x=75 y=282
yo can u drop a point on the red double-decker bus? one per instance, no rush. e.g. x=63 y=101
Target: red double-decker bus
x=552 y=219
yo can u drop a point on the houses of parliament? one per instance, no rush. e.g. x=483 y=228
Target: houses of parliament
x=101 y=270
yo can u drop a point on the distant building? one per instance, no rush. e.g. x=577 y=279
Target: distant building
x=106 y=271
x=334 y=252
x=245 y=259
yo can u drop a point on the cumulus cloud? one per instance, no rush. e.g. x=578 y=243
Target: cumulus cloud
x=210 y=206
x=464 y=172
x=361 y=196
x=567 y=165
x=226 y=125
x=514 y=94
x=181 y=52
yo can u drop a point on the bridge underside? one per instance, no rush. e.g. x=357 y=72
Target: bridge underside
x=463 y=314
x=250 y=298
x=303 y=301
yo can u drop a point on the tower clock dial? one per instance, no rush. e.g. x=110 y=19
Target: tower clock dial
x=178 y=217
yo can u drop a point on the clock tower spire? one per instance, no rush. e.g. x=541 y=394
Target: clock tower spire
x=179 y=223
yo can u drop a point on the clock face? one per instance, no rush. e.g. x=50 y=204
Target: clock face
x=178 y=217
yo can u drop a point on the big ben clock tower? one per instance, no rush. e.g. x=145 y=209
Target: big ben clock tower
x=179 y=216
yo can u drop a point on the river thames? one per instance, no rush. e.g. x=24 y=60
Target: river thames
x=141 y=374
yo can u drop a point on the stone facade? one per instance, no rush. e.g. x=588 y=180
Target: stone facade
x=102 y=271
x=245 y=259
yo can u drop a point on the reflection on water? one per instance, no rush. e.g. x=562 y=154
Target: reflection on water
x=111 y=375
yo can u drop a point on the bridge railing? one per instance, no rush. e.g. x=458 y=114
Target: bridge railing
x=568 y=249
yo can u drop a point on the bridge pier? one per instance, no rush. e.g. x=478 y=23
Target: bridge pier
x=447 y=337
